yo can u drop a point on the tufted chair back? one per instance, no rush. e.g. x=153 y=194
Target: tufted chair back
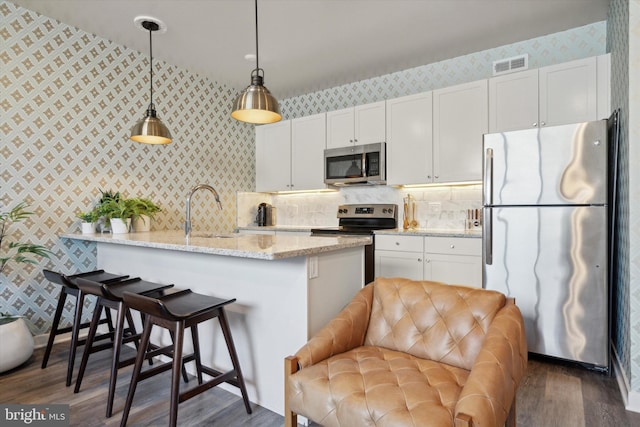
x=430 y=321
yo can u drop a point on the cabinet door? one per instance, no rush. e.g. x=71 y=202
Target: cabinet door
x=568 y=92
x=308 y=141
x=604 y=86
x=399 y=264
x=460 y=118
x=513 y=101
x=273 y=156
x=454 y=269
x=369 y=123
x=340 y=128
x=410 y=139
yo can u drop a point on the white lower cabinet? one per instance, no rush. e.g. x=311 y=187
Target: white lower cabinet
x=452 y=260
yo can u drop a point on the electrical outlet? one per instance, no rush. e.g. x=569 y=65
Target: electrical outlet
x=313 y=267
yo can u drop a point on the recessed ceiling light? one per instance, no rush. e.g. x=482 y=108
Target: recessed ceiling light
x=138 y=20
x=250 y=57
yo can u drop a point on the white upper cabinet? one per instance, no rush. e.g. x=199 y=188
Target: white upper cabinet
x=460 y=118
x=568 y=92
x=513 y=101
x=410 y=139
x=273 y=156
x=308 y=141
x=571 y=92
x=364 y=124
x=290 y=154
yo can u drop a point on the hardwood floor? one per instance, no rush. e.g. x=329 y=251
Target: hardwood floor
x=551 y=394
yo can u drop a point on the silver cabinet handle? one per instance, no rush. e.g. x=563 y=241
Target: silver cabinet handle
x=452 y=246
x=542 y=123
x=535 y=124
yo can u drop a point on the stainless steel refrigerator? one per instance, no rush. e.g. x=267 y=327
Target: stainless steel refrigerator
x=545 y=235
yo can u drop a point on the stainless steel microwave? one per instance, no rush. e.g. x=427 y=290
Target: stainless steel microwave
x=356 y=164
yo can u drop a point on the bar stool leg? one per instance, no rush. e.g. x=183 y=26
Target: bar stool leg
x=222 y=318
x=144 y=343
x=196 y=351
x=185 y=376
x=115 y=358
x=88 y=344
x=75 y=332
x=175 y=372
x=54 y=327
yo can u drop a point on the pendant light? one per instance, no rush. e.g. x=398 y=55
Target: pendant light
x=256 y=104
x=150 y=129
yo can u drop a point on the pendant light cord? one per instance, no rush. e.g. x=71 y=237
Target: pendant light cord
x=257 y=62
x=151 y=106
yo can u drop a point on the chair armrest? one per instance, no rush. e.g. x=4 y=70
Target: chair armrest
x=343 y=333
x=489 y=394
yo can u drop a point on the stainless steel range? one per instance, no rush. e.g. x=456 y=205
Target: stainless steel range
x=363 y=220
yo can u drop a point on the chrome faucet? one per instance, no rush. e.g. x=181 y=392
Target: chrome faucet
x=187 y=224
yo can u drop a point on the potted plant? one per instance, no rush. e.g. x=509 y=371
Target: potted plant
x=145 y=211
x=117 y=213
x=16 y=339
x=105 y=196
x=88 y=219
x=17 y=251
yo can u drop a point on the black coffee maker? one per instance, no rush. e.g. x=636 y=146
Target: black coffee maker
x=263 y=218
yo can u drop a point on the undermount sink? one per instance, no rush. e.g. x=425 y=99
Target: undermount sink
x=214 y=236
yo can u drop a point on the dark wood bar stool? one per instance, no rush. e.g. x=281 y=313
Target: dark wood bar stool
x=68 y=288
x=184 y=309
x=110 y=297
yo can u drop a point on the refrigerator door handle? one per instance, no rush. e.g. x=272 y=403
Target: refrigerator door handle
x=488 y=235
x=488 y=177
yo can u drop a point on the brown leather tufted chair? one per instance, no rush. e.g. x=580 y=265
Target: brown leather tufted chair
x=411 y=353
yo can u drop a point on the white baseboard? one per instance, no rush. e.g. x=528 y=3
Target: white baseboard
x=630 y=398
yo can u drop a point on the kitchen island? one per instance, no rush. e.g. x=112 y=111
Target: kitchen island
x=286 y=288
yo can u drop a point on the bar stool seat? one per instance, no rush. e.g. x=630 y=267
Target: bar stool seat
x=175 y=312
x=68 y=288
x=110 y=297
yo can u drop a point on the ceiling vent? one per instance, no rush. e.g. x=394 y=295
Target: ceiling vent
x=510 y=65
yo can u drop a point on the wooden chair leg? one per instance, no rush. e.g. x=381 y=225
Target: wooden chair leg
x=54 y=328
x=115 y=358
x=195 y=339
x=511 y=416
x=88 y=344
x=226 y=332
x=75 y=333
x=290 y=367
x=137 y=367
x=175 y=373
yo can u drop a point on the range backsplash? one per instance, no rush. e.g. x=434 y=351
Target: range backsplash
x=441 y=207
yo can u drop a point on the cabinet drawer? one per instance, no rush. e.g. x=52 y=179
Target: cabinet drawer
x=400 y=243
x=453 y=245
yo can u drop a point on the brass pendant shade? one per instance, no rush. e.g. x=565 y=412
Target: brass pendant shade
x=256 y=104
x=150 y=129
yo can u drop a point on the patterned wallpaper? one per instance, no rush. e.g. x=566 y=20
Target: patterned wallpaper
x=634 y=195
x=618 y=45
x=68 y=101
x=71 y=98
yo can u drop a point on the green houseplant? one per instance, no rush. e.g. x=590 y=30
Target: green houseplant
x=16 y=339
x=21 y=252
x=117 y=212
x=89 y=219
x=145 y=211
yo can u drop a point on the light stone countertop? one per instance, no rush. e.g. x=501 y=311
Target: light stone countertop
x=266 y=247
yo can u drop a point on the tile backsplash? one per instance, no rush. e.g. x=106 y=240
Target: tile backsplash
x=442 y=207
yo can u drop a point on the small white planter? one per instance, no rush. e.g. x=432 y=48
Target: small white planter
x=88 y=227
x=17 y=344
x=142 y=223
x=120 y=226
